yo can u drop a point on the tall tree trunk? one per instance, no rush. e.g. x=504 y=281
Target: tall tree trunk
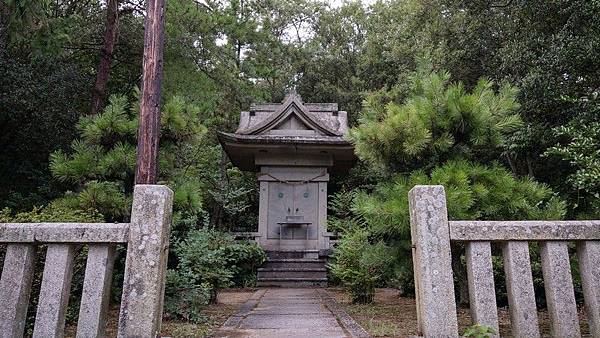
x=149 y=126
x=216 y=221
x=106 y=53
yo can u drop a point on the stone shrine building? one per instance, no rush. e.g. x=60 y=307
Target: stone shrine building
x=293 y=146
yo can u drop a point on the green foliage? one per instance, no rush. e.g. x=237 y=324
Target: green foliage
x=39 y=107
x=54 y=212
x=582 y=152
x=184 y=297
x=473 y=192
x=208 y=260
x=579 y=145
x=360 y=266
x=436 y=133
x=340 y=218
x=437 y=122
x=101 y=165
x=479 y=331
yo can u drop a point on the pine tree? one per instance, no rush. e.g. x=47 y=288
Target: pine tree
x=437 y=134
x=437 y=122
x=101 y=164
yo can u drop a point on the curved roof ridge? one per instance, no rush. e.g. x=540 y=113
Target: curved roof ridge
x=285 y=110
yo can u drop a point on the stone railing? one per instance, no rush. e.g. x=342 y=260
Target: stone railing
x=147 y=240
x=432 y=234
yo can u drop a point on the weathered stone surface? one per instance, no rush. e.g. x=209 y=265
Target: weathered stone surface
x=15 y=288
x=96 y=291
x=524 y=230
x=436 y=307
x=519 y=287
x=280 y=333
x=280 y=309
x=558 y=285
x=482 y=293
x=145 y=265
x=588 y=255
x=54 y=291
x=291 y=321
x=289 y=313
x=64 y=232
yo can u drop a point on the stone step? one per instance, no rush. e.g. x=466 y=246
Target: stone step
x=295 y=263
x=284 y=269
x=292 y=273
x=293 y=268
x=292 y=282
x=293 y=254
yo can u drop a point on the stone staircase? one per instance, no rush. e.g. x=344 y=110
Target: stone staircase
x=297 y=268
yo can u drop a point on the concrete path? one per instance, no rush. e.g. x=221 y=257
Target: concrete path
x=291 y=313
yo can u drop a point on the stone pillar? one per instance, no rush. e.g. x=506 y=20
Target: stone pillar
x=430 y=233
x=15 y=287
x=146 y=262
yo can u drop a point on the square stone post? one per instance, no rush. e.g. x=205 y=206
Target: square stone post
x=146 y=262
x=430 y=233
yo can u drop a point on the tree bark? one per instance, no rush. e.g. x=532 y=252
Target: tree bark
x=106 y=53
x=149 y=124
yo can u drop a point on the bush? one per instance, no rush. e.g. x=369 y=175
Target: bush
x=479 y=331
x=185 y=297
x=54 y=212
x=208 y=260
x=361 y=265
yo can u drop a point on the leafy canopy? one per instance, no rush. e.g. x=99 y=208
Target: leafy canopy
x=438 y=121
x=579 y=145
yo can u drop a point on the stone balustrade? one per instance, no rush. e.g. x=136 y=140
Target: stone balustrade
x=432 y=235
x=147 y=241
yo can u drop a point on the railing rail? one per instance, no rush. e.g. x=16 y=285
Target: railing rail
x=432 y=235
x=147 y=240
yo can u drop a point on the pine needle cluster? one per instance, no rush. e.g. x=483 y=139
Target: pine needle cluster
x=438 y=121
x=100 y=166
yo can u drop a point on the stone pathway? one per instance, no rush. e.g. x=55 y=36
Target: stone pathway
x=291 y=313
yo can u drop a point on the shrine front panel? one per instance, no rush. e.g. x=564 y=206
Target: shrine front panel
x=292 y=211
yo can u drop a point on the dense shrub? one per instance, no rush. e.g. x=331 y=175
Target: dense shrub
x=473 y=192
x=185 y=296
x=208 y=260
x=439 y=120
x=360 y=265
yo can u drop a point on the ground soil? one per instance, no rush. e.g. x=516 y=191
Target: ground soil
x=393 y=316
x=228 y=303
x=388 y=316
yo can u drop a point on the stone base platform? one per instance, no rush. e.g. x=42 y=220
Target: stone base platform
x=296 y=268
